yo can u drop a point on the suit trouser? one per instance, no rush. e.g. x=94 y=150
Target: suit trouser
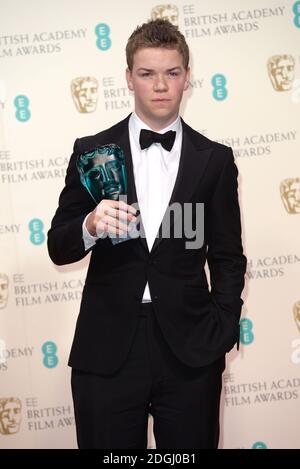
x=111 y=411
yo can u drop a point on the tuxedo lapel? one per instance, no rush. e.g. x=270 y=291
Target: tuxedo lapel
x=123 y=141
x=195 y=154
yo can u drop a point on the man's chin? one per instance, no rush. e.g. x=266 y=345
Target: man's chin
x=163 y=113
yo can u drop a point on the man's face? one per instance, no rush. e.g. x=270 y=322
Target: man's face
x=158 y=80
x=3 y=291
x=10 y=418
x=293 y=197
x=283 y=74
x=87 y=95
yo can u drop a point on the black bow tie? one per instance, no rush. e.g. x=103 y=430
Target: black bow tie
x=147 y=137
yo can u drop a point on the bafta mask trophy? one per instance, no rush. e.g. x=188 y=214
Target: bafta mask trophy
x=103 y=173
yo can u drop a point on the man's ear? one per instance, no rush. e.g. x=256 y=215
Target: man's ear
x=187 y=79
x=129 y=79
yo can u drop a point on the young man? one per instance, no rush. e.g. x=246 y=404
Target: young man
x=150 y=335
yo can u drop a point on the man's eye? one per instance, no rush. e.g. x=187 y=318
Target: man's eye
x=146 y=74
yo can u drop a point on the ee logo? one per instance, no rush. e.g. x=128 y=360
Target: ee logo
x=219 y=87
x=246 y=334
x=296 y=10
x=259 y=445
x=102 y=31
x=36 y=227
x=49 y=350
x=21 y=103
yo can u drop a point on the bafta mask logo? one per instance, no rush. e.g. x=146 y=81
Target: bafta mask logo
x=10 y=415
x=85 y=93
x=296 y=311
x=281 y=70
x=165 y=12
x=290 y=194
x=103 y=173
x=3 y=290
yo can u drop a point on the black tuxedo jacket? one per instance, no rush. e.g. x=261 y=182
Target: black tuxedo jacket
x=198 y=323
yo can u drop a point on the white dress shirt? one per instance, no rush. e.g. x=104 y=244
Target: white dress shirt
x=155 y=170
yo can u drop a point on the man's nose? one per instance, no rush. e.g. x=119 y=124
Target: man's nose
x=160 y=83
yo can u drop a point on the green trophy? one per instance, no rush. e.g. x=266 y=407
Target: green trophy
x=103 y=173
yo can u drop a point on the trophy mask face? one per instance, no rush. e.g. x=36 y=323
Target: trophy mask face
x=102 y=172
x=85 y=93
x=3 y=290
x=166 y=12
x=290 y=194
x=293 y=197
x=282 y=71
x=10 y=416
x=297 y=314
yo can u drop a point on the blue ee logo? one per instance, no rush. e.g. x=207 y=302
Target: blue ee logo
x=259 y=445
x=218 y=82
x=21 y=103
x=296 y=10
x=102 y=32
x=36 y=227
x=246 y=334
x=49 y=350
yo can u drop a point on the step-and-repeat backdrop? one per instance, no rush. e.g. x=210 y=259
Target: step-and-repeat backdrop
x=62 y=76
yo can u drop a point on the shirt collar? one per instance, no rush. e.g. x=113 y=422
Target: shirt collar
x=136 y=125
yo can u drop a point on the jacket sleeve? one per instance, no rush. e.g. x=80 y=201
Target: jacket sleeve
x=65 y=242
x=226 y=261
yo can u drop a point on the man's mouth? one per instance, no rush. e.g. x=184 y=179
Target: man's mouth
x=161 y=101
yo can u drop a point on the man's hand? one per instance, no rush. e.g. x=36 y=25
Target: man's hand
x=107 y=216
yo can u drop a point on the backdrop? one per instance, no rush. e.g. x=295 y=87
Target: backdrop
x=62 y=77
